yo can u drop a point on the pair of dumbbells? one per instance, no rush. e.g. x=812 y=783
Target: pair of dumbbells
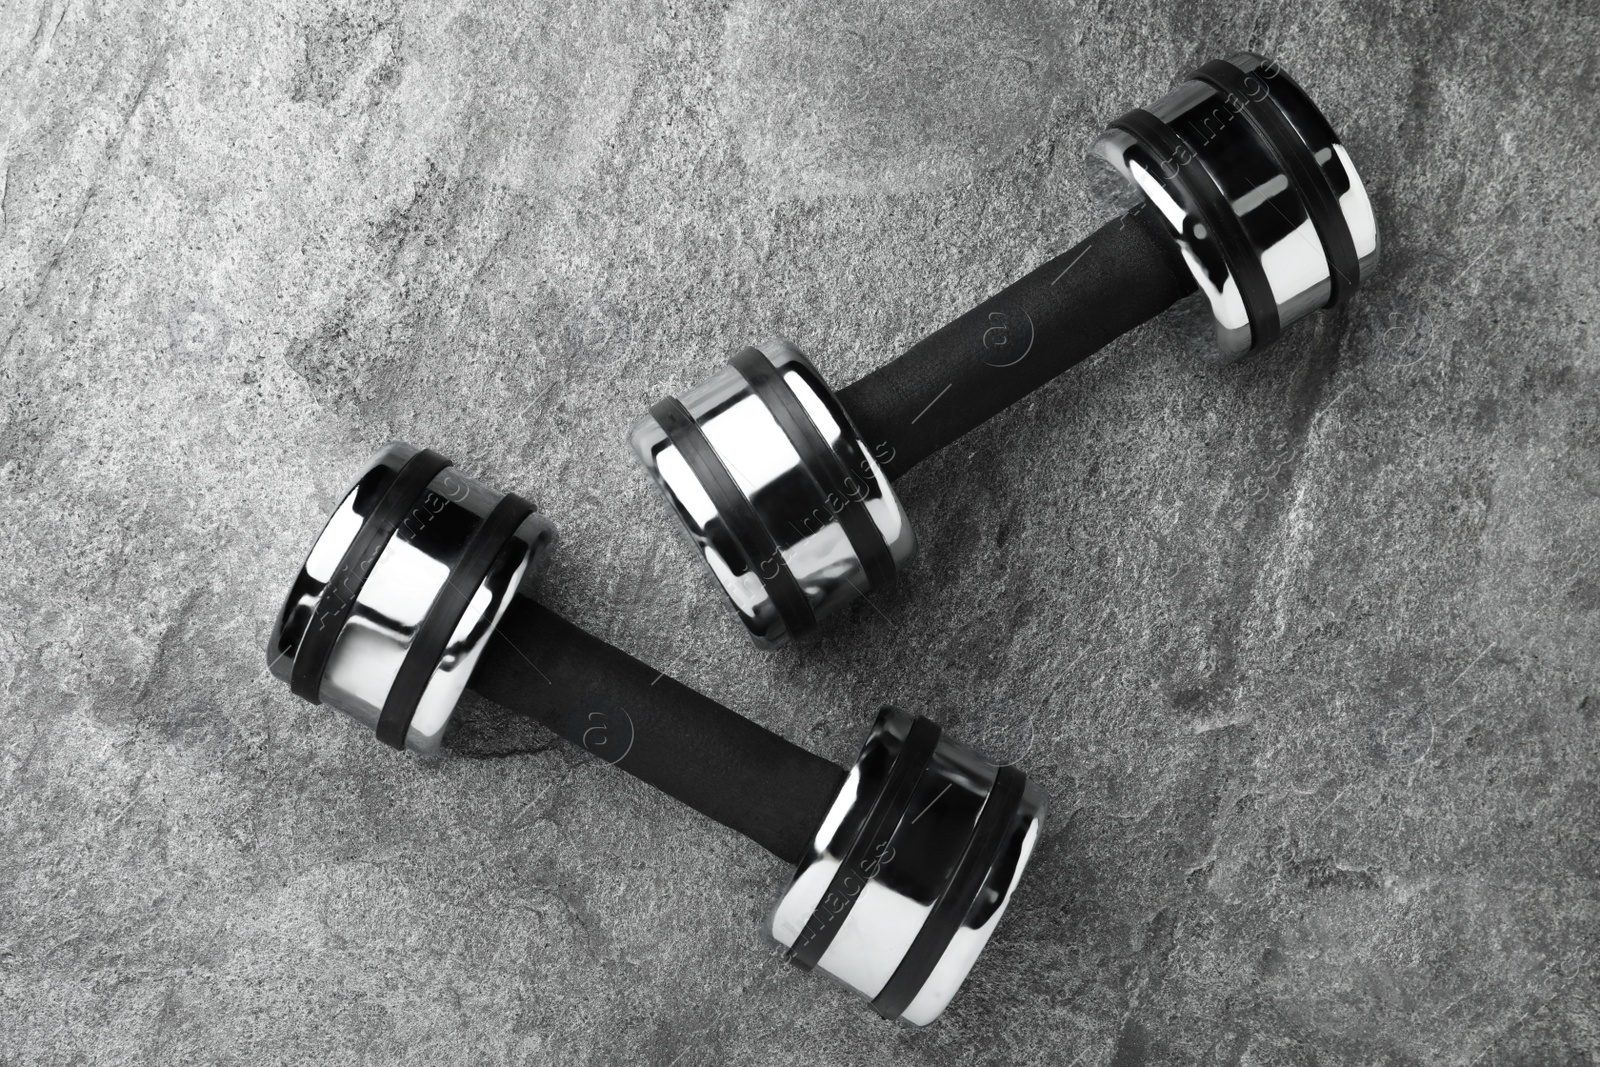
x=418 y=585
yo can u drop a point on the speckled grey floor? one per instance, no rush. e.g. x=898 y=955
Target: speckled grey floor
x=1304 y=651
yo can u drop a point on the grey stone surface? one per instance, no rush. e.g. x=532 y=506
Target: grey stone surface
x=1304 y=651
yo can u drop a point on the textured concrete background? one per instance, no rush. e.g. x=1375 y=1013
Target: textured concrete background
x=1304 y=651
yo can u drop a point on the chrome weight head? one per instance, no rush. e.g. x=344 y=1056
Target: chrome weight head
x=911 y=870
x=1264 y=203
x=400 y=593
x=776 y=490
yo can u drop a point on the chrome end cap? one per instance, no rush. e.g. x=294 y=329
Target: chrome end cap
x=397 y=598
x=911 y=870
x=1261 y=198
x=776 y=491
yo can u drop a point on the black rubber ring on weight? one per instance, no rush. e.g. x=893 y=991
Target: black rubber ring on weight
x=861 y=858
x=1219 y=217
x=1293 y=157
x=338 y=597
x=822 y=463
x=960 y=893
x=755 y=541
x=429 y=643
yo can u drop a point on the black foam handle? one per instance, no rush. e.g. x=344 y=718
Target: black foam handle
x=965 y=373
x=685 y=744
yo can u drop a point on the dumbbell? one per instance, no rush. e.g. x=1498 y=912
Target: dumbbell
x=1237 y=188
x=417 y=588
